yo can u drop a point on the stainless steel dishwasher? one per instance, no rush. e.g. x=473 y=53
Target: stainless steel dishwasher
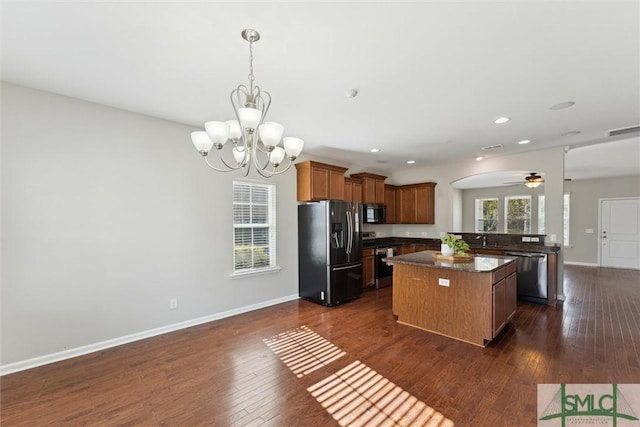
x=532 y=276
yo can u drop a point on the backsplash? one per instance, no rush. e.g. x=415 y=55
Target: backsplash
x=495 y=239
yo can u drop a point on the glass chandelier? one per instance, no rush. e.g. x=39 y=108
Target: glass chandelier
x=253 y=141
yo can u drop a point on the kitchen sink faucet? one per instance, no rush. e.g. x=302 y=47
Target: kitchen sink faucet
x=483 y=237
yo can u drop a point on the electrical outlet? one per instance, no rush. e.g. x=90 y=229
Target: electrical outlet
x=406 y=233
x=526 y=238
x=553 y=237
x=173 y=303
x=588 y=230
x=442 y=234
x=534 y=239
x=424 y=234
x=443 y=282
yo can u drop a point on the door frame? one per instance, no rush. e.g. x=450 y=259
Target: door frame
x=600 y=201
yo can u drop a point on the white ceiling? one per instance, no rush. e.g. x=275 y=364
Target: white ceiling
x=432 y=76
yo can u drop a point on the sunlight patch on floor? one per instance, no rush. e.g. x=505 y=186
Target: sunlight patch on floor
x=303 y=351
x=359 y=396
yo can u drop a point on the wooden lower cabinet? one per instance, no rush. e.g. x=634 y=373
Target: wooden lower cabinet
x=368 y=267
x=505 y=294
x=405 y=249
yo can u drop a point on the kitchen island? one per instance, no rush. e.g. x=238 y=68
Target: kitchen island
x=469 y=301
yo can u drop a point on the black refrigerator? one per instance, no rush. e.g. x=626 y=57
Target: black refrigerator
x=330 y=251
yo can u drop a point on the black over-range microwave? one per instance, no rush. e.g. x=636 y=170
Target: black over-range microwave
x=374 y=213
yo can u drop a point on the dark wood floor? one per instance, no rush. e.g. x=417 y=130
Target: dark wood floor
x=227 y=372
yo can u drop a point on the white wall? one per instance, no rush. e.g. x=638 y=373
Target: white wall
x=106 y=215
x=585 y=195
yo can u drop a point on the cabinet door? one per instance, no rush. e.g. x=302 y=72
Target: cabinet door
x=357 y=192
x=336 y=185
x=405 y=249
x=390 y=202
x=499 y=307
x=425 y=213
x=511 y=295
x=406 y=206
x=368 y=274
x=379 y=190
x=320 y=183
x=368 y=190
x=348 y=191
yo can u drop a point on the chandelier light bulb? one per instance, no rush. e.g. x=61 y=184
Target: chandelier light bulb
x=271 y=133
x=277 y=156
x=239 y=155
x=293 y=146
x=249 y=117
x=235 y=133
x=218 y=132
x=202 y=142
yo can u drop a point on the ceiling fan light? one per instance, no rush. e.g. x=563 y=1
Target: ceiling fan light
x=293 y=146
x=218 y=132
x=271 y=133
x=533 y=184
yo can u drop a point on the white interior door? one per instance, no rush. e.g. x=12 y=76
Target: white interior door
x=620 y=233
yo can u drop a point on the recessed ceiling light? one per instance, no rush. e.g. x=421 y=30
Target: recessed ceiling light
x=411 y=162
x=500 y=120
x=479 y=158
x=571 y=133
x=375 y=150
x=524 y=141
x=351 y=93
x=562 y=105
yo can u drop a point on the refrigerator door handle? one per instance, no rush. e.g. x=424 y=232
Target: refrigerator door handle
x=349 y=232
x=348 y=267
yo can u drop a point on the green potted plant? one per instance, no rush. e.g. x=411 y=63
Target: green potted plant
x=453 y=245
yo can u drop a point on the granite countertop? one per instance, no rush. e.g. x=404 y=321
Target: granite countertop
x=480 y=264
x=397 y=241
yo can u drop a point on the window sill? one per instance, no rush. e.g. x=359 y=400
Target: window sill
x=250 y=273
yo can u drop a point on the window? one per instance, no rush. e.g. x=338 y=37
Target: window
x=517 y=212
x=541 y=214
x=254 y=226
x=486 y=215
x=566 y=208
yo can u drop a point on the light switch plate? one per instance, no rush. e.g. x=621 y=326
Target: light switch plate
x=553 y=237
x=588 y=230
x=526 y=238
x=534 y=239
x=443 y=282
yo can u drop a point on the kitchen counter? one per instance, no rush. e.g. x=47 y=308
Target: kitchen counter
x=467 y=301
x=435 y=243
x=480 y=264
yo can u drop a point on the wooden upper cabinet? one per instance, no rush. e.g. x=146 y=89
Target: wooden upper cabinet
x=352 y=190
x=416 y=203
x=372 y=187
x=320 y=181
x=390 y=192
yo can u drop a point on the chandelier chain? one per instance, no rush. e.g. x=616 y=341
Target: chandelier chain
x=251 y=76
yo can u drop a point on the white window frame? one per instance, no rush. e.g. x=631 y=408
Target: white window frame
x=479 y=213
x=249 y=186
x=527 y=229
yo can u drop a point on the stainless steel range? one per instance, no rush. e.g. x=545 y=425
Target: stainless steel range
x=383 y=272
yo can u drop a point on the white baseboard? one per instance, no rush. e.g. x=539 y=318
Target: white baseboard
x=22 y=365
x=584 y=264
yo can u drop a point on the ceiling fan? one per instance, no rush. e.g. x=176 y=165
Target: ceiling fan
x=532 y=180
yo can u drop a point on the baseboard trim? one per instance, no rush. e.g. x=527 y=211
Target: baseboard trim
x=11 y=368
x=584 y=264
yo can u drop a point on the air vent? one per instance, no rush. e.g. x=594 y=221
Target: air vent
x=492 y=147
x=624 y=131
